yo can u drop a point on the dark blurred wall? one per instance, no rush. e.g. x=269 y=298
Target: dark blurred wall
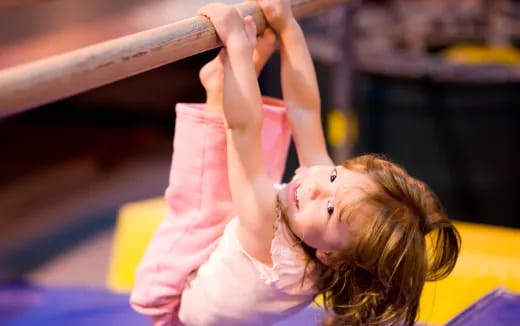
x=461 y=139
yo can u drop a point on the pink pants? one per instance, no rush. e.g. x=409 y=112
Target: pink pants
x=199 y=202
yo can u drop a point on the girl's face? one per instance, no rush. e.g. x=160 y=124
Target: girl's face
x=313 y=200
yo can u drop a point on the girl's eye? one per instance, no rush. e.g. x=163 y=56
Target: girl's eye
x=330 y=208
x=333 y=175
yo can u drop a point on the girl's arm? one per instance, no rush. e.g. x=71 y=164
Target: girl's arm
x=252 y=192
x=299 y=84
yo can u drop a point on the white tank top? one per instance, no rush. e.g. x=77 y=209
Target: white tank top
x=232 y=288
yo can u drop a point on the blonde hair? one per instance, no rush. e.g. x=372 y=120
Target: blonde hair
x=379 y=279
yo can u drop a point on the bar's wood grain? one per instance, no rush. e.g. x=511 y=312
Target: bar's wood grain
x=50 y=79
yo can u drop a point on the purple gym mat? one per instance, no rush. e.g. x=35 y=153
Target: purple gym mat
x=23 y=304
x=497 y=308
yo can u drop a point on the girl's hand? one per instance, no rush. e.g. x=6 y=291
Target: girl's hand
x=277 y=12
x=228 y=22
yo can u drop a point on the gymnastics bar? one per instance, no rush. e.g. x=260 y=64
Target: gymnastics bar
x=43 y=81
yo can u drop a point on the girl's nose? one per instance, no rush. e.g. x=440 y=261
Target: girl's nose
x=317 y=191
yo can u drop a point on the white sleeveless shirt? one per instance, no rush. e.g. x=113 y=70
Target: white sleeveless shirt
x=232 y=288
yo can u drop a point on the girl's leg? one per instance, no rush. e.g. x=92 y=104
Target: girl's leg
x=199 y=206
x=198 y=197
x=276 y=130
x=199 y=202
x=276 y=136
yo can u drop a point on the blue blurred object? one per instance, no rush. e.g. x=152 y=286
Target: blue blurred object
x=498 y=308
x=310 y=316
x=22 y=304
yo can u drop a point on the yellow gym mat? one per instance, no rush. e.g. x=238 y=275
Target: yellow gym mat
x=490 y=258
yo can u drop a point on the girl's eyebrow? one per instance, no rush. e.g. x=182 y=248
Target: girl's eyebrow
x=335 y=200
x=338 y=182
x=339 y=196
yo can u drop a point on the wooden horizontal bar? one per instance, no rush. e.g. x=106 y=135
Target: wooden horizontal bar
x=36 y=83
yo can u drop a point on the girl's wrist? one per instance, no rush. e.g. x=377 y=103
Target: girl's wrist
x=289 y=29
x=239 y=44
x=236 y=40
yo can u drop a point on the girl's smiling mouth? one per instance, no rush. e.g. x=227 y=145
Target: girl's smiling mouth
x=294 y=195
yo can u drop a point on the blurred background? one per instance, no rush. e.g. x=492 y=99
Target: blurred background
x=431 y=84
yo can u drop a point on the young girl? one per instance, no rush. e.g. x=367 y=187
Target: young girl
x=237 y=250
